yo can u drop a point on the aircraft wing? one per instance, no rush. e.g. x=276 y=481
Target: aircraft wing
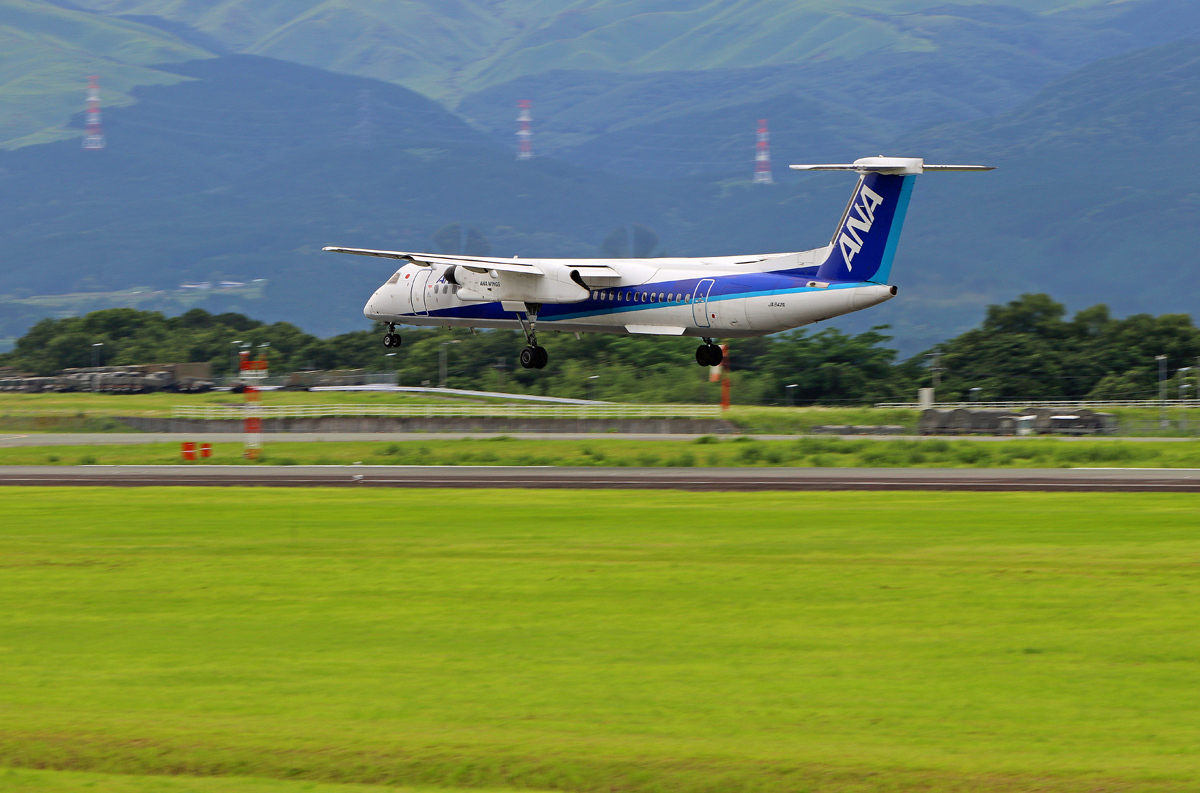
x=527 y=266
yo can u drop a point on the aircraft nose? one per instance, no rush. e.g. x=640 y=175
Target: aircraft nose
x=370 y=310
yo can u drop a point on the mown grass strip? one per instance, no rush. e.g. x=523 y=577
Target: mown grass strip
x=604 y=640
x=709 y=451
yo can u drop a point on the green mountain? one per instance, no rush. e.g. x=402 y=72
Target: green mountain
x=47 y=52
x=242 y=167
x=593 y=65
x=1089 y=202
x=245 y=169
x=453 y=47
x=975 y=61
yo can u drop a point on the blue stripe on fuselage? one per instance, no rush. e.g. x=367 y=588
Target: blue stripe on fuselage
x=726 y=287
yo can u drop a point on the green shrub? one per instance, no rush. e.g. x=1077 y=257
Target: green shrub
x=706 y=439
x=750 y=454
x=883 y=454
x=973 y=453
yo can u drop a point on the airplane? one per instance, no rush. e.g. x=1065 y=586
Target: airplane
x=708 y=297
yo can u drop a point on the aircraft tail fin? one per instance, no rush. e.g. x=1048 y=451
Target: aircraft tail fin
x=864 y=243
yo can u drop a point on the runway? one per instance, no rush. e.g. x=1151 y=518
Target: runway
x=700 y=479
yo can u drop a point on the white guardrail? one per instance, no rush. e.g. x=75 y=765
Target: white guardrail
x=1062 y=403
x=607 y=411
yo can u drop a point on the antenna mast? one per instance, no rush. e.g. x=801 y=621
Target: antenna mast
x=524 y=133
x=94 y=137
x=762 y=155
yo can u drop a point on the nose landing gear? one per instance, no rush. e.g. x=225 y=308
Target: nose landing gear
x=709 y=354
x=391 y=338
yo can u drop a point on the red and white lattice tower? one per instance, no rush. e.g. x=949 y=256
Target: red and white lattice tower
x=524 y=132
x=94 y=136
x=762 y=155
x=253 y=374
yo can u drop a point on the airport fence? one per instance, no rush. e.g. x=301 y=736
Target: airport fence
x=552 y=411
x=1065 y=404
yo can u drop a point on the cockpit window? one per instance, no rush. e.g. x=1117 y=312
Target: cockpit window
x=395 y=277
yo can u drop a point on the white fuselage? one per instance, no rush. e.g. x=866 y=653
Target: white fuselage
x=724 y=297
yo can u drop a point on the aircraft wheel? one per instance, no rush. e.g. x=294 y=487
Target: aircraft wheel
x=702 y=353
x=715 y=356
x=543 y=358
x=529 y=357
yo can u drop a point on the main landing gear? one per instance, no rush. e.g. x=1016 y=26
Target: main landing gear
x=709 y=354
x=391 y=338
x=533 y=356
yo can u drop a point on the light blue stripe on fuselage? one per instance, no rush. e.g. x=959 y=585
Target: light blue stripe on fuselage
x=726 y=287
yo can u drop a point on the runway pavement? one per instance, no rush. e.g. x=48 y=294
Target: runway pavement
x=711 y=479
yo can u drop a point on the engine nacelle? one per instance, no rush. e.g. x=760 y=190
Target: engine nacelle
x=559 y=284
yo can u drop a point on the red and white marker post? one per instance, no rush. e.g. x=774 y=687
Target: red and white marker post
x=720 y=373
x=253 y=373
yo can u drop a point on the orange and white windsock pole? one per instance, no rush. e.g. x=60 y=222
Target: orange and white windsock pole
x=253 y=373
x=720 y=373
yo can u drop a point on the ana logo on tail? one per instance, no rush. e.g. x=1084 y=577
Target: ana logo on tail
x=850 y=242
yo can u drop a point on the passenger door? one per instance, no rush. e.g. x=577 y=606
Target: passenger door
x=700 y=314
x=419 y=290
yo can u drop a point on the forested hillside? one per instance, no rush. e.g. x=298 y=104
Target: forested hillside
x=1027 y=348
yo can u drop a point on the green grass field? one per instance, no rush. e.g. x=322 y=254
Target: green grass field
x=599 y=640
x=25 y=780
x=85 y=412
x=708 y=451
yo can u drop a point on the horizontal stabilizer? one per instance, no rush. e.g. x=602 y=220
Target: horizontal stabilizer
x=890 y=165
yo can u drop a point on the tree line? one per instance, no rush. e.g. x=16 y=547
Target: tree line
x=1027 y=348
